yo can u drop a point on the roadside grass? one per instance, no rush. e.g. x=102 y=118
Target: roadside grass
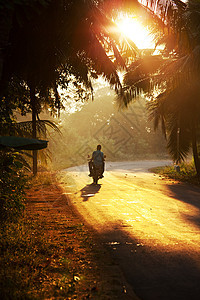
x=42 y=179
x=187 y=173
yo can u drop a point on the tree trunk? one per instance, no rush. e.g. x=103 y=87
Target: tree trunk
x=195 y=152
x=34 y=129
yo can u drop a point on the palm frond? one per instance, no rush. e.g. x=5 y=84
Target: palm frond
x=25 y=128
x=140 y=77
x=125 y=96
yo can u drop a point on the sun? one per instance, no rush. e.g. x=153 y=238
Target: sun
x=135 y=31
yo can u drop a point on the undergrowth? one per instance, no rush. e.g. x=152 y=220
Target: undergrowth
x=187 y=172
x=13 y=183
x=23 y=250
x=34 y=266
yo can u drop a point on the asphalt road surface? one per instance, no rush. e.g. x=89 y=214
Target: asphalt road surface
x=151 y=224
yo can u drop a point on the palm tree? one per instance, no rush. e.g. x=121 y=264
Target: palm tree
x=171 y=81
x=178 y=111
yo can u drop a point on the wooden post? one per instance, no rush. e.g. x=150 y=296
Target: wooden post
x=34 y=128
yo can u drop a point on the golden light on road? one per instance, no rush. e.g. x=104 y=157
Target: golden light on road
x=135 y=31
x=146 y=212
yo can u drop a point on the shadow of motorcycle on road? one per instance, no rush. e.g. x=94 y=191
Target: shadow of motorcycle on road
x=90 y=190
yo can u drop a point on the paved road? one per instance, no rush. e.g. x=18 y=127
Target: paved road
x=151 y=224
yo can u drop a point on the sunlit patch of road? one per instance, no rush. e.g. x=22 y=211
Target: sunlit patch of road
x=139 y=202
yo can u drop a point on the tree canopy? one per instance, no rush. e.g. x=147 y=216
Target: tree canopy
x=53 y=43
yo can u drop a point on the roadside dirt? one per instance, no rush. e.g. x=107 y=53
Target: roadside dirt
x=81 y=268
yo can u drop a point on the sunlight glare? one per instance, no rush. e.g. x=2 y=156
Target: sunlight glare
x=135 y=31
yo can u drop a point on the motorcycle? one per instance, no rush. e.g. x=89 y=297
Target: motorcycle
x=95 y=171
x=97 y=174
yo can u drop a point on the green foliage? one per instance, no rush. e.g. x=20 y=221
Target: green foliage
x=187 y=172
x=12 y=185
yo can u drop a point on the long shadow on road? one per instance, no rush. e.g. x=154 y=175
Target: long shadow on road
x=190 y=195
x=153 y=273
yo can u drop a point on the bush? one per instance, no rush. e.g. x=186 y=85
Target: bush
x=187 y=172
x=12 y=185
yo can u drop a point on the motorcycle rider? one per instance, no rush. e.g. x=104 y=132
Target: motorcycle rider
x=97 y=160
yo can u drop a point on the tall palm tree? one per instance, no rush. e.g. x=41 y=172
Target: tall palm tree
x=178 y=111
x=171 y=80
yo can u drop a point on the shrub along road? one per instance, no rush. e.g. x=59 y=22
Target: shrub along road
x=150 y=224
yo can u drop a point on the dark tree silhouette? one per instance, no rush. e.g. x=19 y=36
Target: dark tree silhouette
x=55 y=42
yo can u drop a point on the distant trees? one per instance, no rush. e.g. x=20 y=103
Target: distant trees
x=124 y=135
